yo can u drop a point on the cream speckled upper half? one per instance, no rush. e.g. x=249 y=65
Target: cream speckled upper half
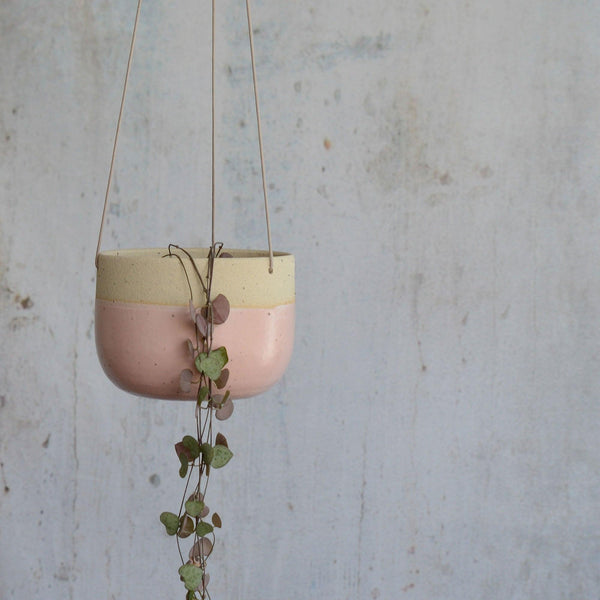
x=148 y=276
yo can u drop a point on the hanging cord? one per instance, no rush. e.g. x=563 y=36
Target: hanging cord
x=212 y=95
x=114 y=151
x=258 y=124
x=260 y=142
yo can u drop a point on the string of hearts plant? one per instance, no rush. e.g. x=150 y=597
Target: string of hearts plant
x=129 y=283
x=203 y=451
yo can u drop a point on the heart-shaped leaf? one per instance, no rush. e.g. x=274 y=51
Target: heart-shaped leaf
x=203 y=547
x=194 y=508
x=198 y=497
x=220 y=309
x=170 y=521
x=192 y=446
x=216 y=520
x=182 y=452
x=186 y=527
x=188 y=451
x=221 y=382
x=221 y=440
x=191 y=575
x=208 y=453
x=225 y=410
x=222 y=456
x=212 y=363
x=203 y=529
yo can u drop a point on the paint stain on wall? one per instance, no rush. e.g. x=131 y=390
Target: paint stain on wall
x=17 y=323
x=402 y=149
x=25 y=302
x=365 y=46
x=445 y=178
x=6 y=488
x=486 y=172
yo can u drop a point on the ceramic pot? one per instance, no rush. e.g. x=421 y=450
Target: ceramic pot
x=143 y=320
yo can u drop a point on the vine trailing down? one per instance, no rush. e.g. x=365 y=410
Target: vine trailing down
x=200 y=453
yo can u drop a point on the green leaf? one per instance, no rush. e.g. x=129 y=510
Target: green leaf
x=191 y=444
x=212 y=363
x=203 y=529
x=194 y=508
x=170 y=521
x=182 y=451
x=184 y=467
x=188 y=451
x=203 y=394
x=222 y=456
x=208 y=453
x=191 y=575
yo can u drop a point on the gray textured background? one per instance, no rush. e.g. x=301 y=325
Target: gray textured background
x=434 y=166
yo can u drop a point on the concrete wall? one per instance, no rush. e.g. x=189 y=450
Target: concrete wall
x=434 y=167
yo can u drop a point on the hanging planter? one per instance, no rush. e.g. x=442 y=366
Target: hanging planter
x=143 y=319
x=206 y=324
x=142 y=299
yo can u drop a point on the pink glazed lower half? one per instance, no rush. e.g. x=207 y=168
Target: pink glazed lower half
x=143 y=348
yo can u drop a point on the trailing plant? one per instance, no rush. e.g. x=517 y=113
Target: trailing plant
x=204 y=450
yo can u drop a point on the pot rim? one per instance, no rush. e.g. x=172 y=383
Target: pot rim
x=197 y=253
x=151 y=276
